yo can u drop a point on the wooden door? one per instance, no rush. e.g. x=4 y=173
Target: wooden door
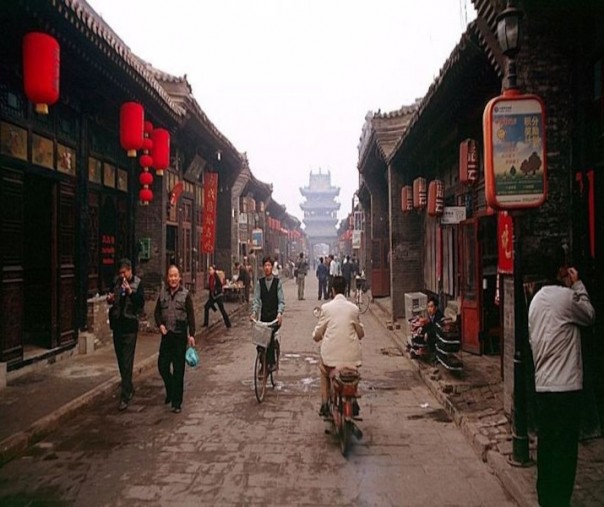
x=65 y=307
x=11 y=264
x=380 y=271
x=471 y=312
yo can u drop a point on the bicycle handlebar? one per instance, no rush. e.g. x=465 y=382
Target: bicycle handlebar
x=267 y=324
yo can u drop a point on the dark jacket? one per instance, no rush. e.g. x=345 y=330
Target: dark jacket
x=322 y=272
x=124 y=312
x=270 y=300
x=217 y=292
x=175 y=311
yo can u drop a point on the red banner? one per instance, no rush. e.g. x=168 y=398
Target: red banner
x=505 y=243
x=210 y=197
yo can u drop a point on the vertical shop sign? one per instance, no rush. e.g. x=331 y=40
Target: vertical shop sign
x=210 y=197
x=514 y=152
x=505 y=245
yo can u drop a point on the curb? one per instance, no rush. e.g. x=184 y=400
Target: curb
x=511 y=479
x=18 y=443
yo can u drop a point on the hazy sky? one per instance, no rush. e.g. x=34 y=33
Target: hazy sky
x=290 y=81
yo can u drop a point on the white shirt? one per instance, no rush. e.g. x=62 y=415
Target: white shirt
x=341 y=331
x=334 y=268
x=555 y=314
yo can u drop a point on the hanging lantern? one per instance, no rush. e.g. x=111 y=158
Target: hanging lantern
x=41 y=67
x=419 y=192
x=406 y=198
x=161 y=150
x=146 y=179
x=147 y=144
x=132 y=117
x=436 y=198
x=145 y=196
x=468 y=162
x=145 y=161
x=148 y=128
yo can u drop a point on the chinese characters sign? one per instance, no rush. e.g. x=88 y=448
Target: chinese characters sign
x=515 y=155
x=505 y=243
x=210 y=198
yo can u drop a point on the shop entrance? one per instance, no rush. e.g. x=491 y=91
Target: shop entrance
x=38 y=266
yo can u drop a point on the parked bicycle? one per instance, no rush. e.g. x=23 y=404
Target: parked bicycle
x=361 y=298
x=262 y=334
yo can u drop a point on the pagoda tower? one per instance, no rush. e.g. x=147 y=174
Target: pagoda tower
x=320 y=210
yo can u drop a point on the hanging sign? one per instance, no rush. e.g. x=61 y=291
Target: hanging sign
x=257 y=239
x=453 y=215
x=356 y=240
x=514 y=151
x=468 y=162
x=505 y=245
x=210 y=195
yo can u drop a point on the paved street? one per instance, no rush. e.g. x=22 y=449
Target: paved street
x=226 y=449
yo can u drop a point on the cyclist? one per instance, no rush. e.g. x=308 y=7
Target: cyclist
x=340 y=330
x=269 y=303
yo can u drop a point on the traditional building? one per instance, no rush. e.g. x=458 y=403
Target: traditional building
x=320 y=210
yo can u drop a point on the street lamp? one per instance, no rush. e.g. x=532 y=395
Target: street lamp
x=509 y=35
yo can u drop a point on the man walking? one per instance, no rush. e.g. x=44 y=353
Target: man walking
x=555 y=314
x=322 y=276
x=127 y=301
x=301 y=271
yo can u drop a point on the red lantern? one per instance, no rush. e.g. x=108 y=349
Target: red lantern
x=147 y=144
x=468 y=162
x=41 y=67
x=436 y=198
x=145 y=161
x=148 y=128
x=146 y=179
x=132 y=118
x=145 y=196
x=419 y=192
x=406 y=198
x=161 y=150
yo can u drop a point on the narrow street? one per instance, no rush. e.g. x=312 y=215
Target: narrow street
x=226 y=449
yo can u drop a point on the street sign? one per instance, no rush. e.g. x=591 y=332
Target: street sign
x=453 y=215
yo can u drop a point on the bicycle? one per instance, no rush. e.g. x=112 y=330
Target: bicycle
x=262 y=334
x=361 y=298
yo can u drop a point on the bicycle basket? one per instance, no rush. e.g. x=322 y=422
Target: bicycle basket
x=261 y=334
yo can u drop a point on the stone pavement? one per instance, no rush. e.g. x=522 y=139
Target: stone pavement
x=37 y=403
x=475 y=401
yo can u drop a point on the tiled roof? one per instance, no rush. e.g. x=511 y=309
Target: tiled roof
x=89 y=22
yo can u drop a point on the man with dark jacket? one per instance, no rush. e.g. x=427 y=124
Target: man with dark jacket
x=175 y=318
x=322 y=276
x=127 y=301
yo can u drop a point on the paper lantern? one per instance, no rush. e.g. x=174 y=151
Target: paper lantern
x=145 y=196
x=161 y=150
x=41 y=67
x=145 y=161
x=132 y=118
x=147 y=144
x=468 y=162
x=406 y=198
x=146 y=179
x=436 y=198
x=148 y=128
x=419 y=192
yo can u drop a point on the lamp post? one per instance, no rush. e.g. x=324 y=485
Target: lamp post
x=508 y=36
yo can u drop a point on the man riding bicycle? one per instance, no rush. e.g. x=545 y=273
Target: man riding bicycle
x=269 y=303
x=340 y=330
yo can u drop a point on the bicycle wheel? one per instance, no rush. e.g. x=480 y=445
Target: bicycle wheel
x=363 y=302
x=260 y=375
x=345 y=434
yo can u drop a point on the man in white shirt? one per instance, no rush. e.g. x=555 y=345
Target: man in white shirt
x=555 y=314
x=340 y=330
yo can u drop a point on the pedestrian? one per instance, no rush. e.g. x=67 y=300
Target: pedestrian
x=269 y=304
x=322 y=275
x=175 y=318
x=243 y=276
x=556 y=313
x=127 y=300
x=347 y=271
x=214 y=298
x=300 y=271
x=334 y=270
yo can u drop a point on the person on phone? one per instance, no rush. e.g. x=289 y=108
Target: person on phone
x=556 y=313
x=175 y=318
x=127 y=301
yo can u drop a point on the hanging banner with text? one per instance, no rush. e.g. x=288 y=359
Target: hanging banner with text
x=210 y=197
x=505 y=243
x=515 y=156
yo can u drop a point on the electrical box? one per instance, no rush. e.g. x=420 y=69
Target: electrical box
x=144 y=249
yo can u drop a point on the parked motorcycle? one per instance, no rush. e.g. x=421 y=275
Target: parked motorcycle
x=343 y=405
